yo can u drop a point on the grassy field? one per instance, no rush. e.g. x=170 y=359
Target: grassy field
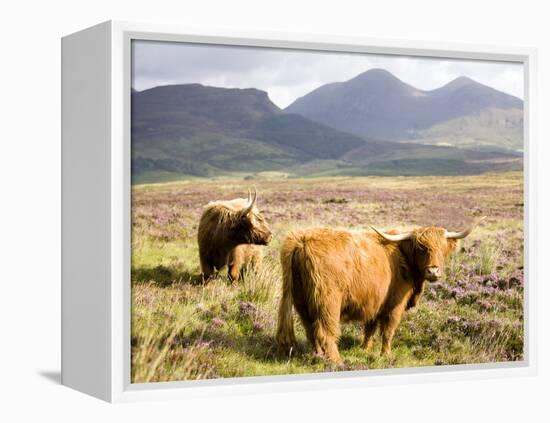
x=182 y=329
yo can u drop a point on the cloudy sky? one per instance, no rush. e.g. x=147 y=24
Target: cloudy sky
x=289 y=74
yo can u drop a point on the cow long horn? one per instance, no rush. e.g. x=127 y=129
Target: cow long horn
x=251 y=205
x=392 y=237
x=464 y=233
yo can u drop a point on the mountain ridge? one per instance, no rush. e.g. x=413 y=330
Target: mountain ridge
x=379 y=105
x=198 y=130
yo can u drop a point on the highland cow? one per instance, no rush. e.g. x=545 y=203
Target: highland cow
x=331 y=275
x=230 y=233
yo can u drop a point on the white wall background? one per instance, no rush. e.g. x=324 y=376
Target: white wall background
x=30 y=206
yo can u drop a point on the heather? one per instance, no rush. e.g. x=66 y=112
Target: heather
x=184 y=329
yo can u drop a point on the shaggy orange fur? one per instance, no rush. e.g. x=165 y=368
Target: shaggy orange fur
x=331 y=275
x=230 y=234
x=242 y=257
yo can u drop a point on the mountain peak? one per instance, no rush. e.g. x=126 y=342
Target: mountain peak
x=382 y=82
x=475 y=95
x=377 y=72
x=377 y=75
x=460 y=82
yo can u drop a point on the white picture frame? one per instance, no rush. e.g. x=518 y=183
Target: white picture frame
x=96 y=244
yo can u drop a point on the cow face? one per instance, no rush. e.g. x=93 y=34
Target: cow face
x=427 y=247
x=431 y=249
x=250 y=226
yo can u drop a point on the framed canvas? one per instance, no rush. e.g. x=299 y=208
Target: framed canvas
x=269 y=212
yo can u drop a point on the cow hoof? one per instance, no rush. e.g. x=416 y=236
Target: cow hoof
x=339 y=365
x=286 y=349
x=368 y=346
x=388 y=355
x=335 y=363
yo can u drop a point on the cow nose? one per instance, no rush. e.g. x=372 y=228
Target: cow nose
x=432 y=273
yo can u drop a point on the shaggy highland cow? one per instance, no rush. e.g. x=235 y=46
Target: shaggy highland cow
x=330 y=274
x=230 y=233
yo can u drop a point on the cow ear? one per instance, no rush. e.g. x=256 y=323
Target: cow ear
x=452 y=245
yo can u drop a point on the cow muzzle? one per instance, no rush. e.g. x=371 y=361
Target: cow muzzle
x=432 y=273
x=266 y=238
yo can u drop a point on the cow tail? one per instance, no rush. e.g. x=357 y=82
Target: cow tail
x=285 y=329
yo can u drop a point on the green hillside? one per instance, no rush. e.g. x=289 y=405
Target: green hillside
x=478 y=130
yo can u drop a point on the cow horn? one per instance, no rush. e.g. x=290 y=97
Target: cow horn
x=248 y=198
x=251 y=205
x=392 y=237
x=464 y=233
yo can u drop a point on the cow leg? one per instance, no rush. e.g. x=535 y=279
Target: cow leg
x=206 y=268
x=256 y=260
x=324 y=343
x=415 y=297
x=234 y=264
x=234 y=272
x=370 y=330
x=326 y=331
x=308 y=328
x=331 y=351
x=389 y=325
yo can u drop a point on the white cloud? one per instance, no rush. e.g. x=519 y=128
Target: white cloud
x=289 y=74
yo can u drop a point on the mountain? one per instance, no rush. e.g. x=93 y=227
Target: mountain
x=378 y=105
x=193 y=107
x=193 y=130
x=197 y=130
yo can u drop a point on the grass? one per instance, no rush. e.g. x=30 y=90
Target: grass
x=185 y=330
x=488 y=258
x=418 y=167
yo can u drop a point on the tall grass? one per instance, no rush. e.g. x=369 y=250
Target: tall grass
x=258 y=285
x=488 y=260
x=160 y=349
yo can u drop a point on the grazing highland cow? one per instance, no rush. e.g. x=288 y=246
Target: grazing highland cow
x=230 y=233
x=330 y=274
